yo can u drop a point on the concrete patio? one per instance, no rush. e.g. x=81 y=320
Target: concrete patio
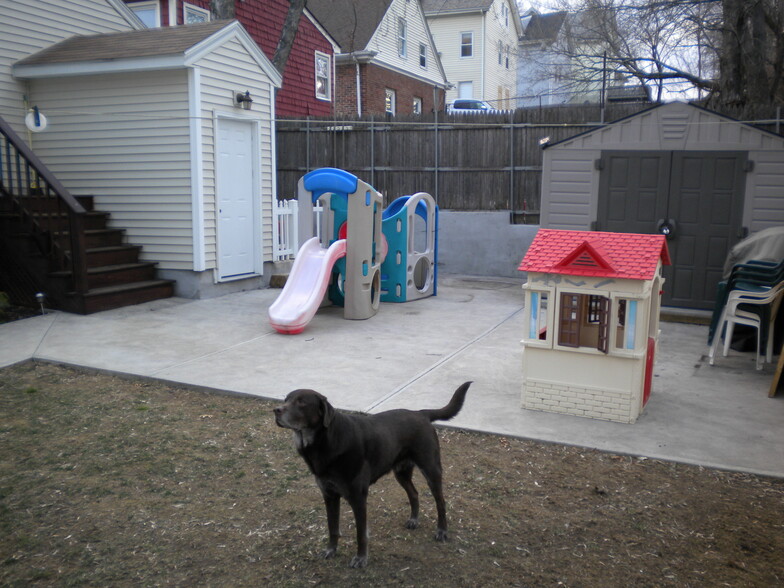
x=414 y=355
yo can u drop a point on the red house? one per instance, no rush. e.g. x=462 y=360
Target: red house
x=308 y=80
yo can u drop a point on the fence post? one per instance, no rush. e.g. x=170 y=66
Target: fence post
x=511 y=163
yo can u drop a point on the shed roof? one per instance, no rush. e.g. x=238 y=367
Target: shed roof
x=145 y=49
x=143 y=43
x=596 y=254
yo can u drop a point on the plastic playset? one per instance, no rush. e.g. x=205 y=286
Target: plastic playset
x=365 y=255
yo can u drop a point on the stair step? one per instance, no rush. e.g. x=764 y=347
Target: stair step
x=116 y=274
x=110 y=297
x=115 y=254
x=96 y=237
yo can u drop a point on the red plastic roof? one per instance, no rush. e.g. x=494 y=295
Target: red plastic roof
x=596 y=254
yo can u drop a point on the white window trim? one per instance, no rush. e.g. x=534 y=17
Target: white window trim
x=461 y=44
x=417 y=102
x=422 y=54
x=196 y=9
x=393 y=94
x=402 y=37
x=147 y=4
x=547 y=342
x=317 y=55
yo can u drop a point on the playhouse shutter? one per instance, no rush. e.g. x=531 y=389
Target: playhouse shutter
x=603 y=311
x=569 y=325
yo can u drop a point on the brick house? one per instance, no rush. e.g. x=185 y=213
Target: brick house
x=387 y=62
x=308 y=80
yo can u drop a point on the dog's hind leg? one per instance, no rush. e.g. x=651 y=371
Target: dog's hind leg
x=403 y=474
x=433 y=476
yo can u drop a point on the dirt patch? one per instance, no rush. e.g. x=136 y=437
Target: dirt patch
x=106 y=481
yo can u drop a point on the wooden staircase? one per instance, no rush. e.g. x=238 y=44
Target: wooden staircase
x=58 y=244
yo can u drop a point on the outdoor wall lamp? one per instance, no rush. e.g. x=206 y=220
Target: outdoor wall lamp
x=244 y=100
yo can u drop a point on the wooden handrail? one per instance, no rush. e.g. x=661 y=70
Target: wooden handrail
x=74 y=210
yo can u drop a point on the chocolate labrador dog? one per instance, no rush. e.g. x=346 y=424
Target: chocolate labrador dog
x=347 y=453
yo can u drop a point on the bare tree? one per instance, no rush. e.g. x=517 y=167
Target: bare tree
x=731 y=50
x=226 y=9
x=287 y=34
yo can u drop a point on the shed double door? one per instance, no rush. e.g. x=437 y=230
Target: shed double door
x=695 y=198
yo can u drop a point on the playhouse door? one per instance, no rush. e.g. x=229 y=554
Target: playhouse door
x=235 y=166
x=696 y=198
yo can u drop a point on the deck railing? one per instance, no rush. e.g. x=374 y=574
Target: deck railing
x=42 y=203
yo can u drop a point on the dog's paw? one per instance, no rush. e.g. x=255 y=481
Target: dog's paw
x=441 y=535
x=412 y=523
x=329 y=553
x=358 y=561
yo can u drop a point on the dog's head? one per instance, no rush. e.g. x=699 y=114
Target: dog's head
x=304 y=409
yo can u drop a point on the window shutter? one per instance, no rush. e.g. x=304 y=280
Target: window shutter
x=569 y=327
x=604 y=324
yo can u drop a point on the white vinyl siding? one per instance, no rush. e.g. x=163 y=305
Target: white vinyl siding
x=217 y=86
x=386 y=41
x=498 y=75
x=124 y=138
x=447 y=34
x=489 y=29
x=27 y=27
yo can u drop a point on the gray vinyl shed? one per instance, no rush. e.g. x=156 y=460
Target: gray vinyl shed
x=703 y=179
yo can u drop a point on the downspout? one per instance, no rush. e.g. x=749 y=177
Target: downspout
x=482 y=53
x=359 y=89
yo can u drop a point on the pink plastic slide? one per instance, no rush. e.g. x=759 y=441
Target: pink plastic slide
x=305 y=286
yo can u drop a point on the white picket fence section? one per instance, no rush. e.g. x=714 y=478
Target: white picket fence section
x=286 y=237
x=286 y=228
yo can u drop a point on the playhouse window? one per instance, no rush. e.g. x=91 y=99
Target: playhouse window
x=584 y=321
x=627 y=324
x=537 y=319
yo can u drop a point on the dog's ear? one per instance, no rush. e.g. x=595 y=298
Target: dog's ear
x=327 y=410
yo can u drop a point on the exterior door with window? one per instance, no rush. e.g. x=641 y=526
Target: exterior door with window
x=696 y=198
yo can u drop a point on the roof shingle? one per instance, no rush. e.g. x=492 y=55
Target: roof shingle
x=597 y=254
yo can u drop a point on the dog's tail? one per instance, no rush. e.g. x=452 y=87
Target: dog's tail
x=451 y=409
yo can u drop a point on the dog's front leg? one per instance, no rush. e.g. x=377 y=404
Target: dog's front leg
x=332 y=502
x=359 y=506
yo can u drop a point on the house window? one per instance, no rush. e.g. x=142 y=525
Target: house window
x=505 y=14
x=507 y=57
x=323 y=77
x=193 y=14
x=389 y=101
x=148 y=12
x=466 y=44
x=401 y=37
x=422 y=55
x=584 y=321
x=500 y=53
x=417 y=107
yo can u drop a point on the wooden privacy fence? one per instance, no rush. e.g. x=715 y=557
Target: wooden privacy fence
x=466 y=162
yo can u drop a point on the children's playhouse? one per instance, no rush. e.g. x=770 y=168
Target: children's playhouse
x=591 y=325
x=363 y=255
